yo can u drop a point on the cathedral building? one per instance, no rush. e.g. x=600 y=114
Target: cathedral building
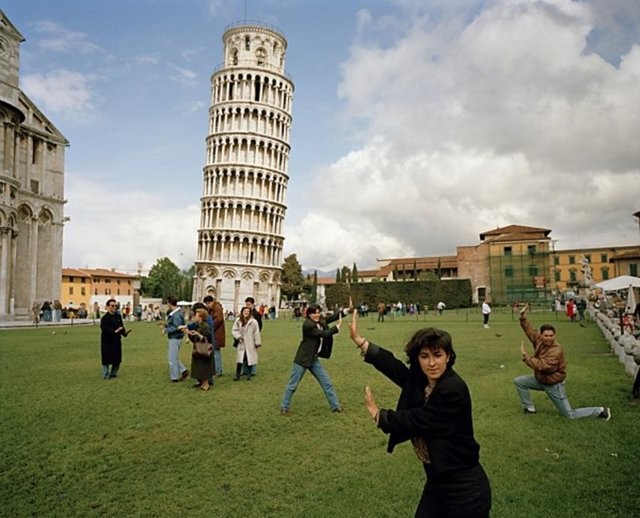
x=31 y=191
x=240 y=235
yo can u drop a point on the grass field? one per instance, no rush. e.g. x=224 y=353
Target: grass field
x=75 y=445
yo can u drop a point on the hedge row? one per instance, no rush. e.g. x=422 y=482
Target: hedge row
x=455 y=293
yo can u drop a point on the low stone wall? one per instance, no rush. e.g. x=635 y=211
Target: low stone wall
x=624 y=345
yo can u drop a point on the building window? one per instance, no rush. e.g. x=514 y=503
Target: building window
x=107 y=291
x=507 y=250
x=633 y=269
x=531 y=249
x=588 y=258
x=572 y=259
x=605 y=274
x=82 y=292
x=556 y=275
x=247 y=43
x=604 y=258
x=572 y=276
x=556 y=261
x=95 y=292
x=70 y=279
x=508 y=271
x=533 y=271
x=35 y=186
x=118 y=291
x=70 y=290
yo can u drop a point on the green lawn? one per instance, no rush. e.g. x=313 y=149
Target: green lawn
x=75 y=445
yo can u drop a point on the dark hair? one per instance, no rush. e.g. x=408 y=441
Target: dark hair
x=172 y=300
x=547 y=327
x=250 y=299
x=430 y=338
x=110 y=301
x=244 y=319
x=208 y=298
x=312 y=308
x=198 y=305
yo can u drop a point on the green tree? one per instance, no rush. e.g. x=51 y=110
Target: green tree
x=164 y=279
x=346 y=274
x=314 y=291
x=292 y=278
x=354 y=273
x=338 y=277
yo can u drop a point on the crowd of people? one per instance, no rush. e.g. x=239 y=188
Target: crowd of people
x=433 y=412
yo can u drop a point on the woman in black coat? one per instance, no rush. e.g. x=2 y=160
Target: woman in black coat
x=434 y=413
x=112 y=330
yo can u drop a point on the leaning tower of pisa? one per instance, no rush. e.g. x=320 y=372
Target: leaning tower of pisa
x=245 y=175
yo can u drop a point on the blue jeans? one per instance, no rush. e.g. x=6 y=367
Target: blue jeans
x=217 y=355
x=321 y=376
x=176 y=367
x=556 y=394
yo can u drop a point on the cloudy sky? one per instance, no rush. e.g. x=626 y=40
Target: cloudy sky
x=418 y=124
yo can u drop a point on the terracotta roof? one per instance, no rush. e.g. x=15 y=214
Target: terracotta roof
x=104 y=272
x=515 y=233
x=421 y=263
x=72 y=272
x=326 y=280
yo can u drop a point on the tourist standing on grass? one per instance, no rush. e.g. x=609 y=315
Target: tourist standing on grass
x=111 y=332
x=250 y=302
x=434 y=413
x=199 y=330
x=215 y=312
x=315 y=333
x=486 y=313
x=175 y=321
x=381 y=311
x=440 y=307
x=549 y=372
x=247 y=333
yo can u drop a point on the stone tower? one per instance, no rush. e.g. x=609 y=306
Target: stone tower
x=245 y=176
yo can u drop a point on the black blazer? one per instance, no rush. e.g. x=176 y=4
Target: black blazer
x=444 y=420
x=311 y=335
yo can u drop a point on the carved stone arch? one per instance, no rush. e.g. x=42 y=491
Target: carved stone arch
x=212 y=272
x=25 y=212
x=247 y=275
x=264 y=276
x=200 y=271
x=228 y=273
x=45 y=216
x=210 y=290
x=276 y=277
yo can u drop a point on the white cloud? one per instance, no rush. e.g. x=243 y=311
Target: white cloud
x=504 y=120
x=60 y=91
x=119 y=228
x=56 y=38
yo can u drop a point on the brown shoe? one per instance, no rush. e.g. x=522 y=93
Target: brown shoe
x=185 y=375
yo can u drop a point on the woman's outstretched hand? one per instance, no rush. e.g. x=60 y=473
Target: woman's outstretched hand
x=370 y=401
x=358 y=339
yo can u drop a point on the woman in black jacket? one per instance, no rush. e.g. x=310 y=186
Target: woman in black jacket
x=434 y=413
x=316 y=334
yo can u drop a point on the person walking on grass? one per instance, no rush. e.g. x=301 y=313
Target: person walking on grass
x=315 y=335
x=549 y=372
x=202 y=367
x=434 y=413
x=486 y=313
x=111 y=332
x=247 y=333
x=175 y=320
x=217 y=315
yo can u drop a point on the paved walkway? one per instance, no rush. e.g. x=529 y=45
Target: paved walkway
x=25 y=324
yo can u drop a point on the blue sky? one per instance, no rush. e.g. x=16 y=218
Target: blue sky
x=417 y=124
